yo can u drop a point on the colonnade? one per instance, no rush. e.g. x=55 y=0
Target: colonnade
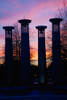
x=25 y=69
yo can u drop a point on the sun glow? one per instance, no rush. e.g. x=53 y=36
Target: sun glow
x=34 y=57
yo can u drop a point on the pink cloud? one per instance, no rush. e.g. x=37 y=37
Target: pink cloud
x=2 y=36
x=39 y=14
x=36 y=12
x=16 y=3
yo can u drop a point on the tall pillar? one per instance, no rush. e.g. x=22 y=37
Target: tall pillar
x=8 y=54
x=25 y=69
x=56 y=51
x=41 y=54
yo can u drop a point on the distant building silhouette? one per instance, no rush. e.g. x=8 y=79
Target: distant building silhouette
x=56 y=51
x=41 y=54
x=25 y=69
x=8 y=54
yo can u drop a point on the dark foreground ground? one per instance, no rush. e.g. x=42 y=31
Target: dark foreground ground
x=34 y=93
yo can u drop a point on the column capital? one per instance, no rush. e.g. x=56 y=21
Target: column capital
x=8 y=27
x=41 y=27
x=55 y=20
x=24 y=21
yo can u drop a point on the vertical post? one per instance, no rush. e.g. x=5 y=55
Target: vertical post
x=25 y=69
x=41 y=54
x=56 y=51
x=8 y=54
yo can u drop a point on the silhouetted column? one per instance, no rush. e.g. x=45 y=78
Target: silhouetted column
x=25 y=70
x=8 y=53
x=41 y=54
x=56 y=50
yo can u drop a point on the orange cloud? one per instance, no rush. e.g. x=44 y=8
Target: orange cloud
x=34 y=55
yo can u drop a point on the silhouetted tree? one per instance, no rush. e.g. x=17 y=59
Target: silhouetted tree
x=62 y=13
x=16 y=42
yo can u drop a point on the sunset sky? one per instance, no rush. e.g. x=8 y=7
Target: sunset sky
x=39 y=11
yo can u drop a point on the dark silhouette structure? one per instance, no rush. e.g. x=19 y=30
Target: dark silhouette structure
x=56 y=51
x=41 y=54
x=25 y=72
x=25 y=69
x=8 y=54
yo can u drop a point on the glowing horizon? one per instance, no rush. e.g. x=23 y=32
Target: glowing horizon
x=39 y=11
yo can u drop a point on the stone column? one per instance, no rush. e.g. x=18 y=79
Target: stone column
x=25 y=69
x=41 y=54
x=8 y=54
x=56 y=51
